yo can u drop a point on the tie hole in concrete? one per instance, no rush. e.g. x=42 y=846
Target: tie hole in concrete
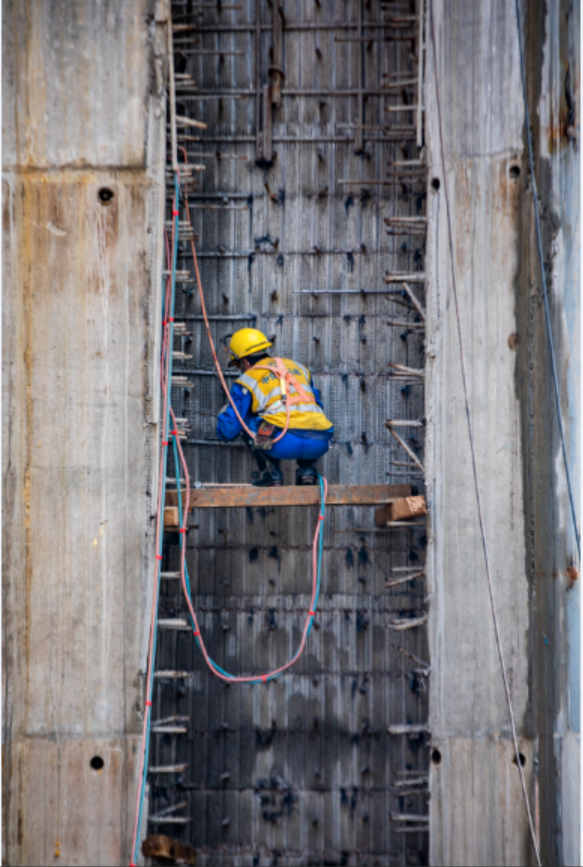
x=514 y=172
x=522 y=759
x=105 y=196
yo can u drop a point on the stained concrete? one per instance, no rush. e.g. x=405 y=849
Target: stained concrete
x=553 y=38
x=80 y=311
x=80 y=314
x=478 y=814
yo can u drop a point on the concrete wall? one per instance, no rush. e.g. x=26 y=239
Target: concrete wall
x=553 y=46
x=80 y=306
x=478 y=814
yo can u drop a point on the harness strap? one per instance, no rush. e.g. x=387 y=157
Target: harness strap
x=286 y=376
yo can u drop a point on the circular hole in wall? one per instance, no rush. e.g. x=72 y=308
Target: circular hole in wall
x=105 y=195
x=522 y=759
x=97 y=763
x=514 y=172
x=436 y=757
x=435 y=184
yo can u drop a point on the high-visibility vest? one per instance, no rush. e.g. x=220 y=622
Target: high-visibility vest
x=278 y=383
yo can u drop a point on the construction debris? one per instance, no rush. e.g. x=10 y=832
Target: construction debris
x=168 y=850
x=400 y=510
x=171 y=518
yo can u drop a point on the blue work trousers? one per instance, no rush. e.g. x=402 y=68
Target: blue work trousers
x=292 y=447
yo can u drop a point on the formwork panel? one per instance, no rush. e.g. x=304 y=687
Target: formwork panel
x=302 y=770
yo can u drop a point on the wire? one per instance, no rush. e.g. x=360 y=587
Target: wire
x=473 y=450
x=317 y=548
x=318 y=536
x=544 y=279
x=249 y=432
x=166 y=379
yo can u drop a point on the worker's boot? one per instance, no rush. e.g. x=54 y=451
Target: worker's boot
x=272 y=477
x=306 y=473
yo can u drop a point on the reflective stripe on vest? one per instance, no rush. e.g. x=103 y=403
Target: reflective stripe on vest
x=279 y=406
x=292 y=390
x=272 y=402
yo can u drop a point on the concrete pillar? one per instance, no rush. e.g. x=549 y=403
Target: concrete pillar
x=478 y=814
x=83 y=185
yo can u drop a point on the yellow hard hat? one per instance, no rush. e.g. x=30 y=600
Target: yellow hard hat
x=247 y=341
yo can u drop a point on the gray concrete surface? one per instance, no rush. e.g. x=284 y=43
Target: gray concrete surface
x=478 y=814
x=553 y=36
x=80 y=314
x=83 y=110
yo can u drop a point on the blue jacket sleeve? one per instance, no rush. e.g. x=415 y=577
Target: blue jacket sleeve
x=228 y=425
x=317 y=395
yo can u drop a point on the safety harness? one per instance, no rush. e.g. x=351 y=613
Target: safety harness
x=264 y=438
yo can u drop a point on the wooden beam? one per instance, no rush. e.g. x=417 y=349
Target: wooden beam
x=250 y=497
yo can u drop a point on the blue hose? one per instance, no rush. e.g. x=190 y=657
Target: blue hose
x=147 y=709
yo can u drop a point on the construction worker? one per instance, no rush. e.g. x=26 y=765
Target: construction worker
x=281 y=406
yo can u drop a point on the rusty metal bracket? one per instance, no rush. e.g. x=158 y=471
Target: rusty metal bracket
x=275 y=70
x=264 y=143
x=263 y=97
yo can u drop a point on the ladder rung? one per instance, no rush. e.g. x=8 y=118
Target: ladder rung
x=168 y=769
x=415 y=277
x=176 y=623
x=192 y=167
x=169 y=820
x=167 y=720
x=172 y=675
x=169 y=575
x=169 y=730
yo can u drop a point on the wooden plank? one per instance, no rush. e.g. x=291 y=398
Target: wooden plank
x=159 y=846
x=250 y=497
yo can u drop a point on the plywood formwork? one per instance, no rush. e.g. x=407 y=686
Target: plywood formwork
x=303 y=769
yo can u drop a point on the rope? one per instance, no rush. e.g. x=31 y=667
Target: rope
x=544 y=280
x=473 y=451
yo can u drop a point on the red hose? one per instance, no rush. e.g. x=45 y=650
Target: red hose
x=197 y=632
x=165 y=356
x=187 y=480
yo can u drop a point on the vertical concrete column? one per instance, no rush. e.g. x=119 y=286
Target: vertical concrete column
x=552 y=37
x=83 y=188
x=477 y=810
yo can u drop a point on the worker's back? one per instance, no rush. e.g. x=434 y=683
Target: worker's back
x=264 y=383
